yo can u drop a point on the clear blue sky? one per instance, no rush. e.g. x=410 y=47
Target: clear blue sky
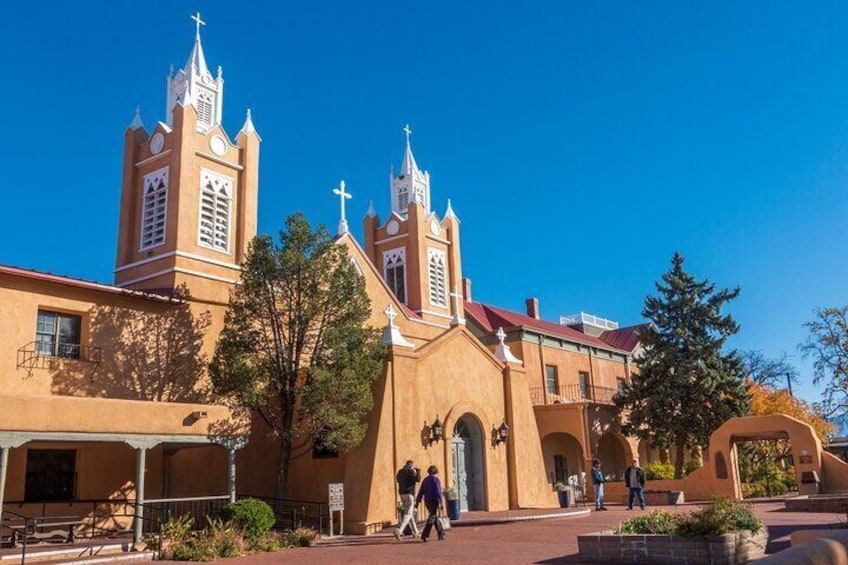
x=582 y=143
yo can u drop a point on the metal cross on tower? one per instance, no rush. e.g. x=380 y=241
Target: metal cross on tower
x=198 y=22
x=408 y=132
x=340 y=192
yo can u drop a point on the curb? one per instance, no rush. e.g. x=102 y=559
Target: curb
x=507 y=519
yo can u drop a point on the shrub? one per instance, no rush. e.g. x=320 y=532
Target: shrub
x=656 y=522
x=301 y=537
x=720 y=517
x=691 y=466
x=658 y=471
x=272 y=541
x=253 y=516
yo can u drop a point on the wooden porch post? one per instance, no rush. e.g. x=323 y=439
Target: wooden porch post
x=4 y=463
x=140 y=465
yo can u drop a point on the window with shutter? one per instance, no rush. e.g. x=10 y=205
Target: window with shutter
x=215 y=211
x=394 y=272
x=205 y=108
x=154 y=208
x=437 y=276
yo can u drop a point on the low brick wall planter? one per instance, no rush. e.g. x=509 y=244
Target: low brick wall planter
x=659 y=498
x=819 y=503
x=727 y=549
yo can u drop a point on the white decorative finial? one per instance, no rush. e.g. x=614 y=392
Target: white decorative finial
x=449 y=213
x=220 y=71
x=248 y=128
x=390 y=315
x=408 y=132
x=171 y=70
x=391 y=334
x=372 y=213
x=340 y=192
x=136 y=122
x=502 y=352
x=457 y=316
x=198 y=23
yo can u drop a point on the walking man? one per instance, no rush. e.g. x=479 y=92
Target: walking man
x=634 y=478
x=598 y=481
x=407 y=478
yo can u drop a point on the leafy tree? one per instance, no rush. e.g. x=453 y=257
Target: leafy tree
x=766 y=400
x=295 y=349
x=827 y=345
x=686 y=385
x=767 y=371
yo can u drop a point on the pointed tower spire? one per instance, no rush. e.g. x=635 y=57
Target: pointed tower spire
x=409 y=165
x=195 y=85
x=411 y=184
x=136 y=122
x=449 y=213
x=248 y=128
x=371 y=213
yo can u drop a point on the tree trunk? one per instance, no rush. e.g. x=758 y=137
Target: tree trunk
x=283 y=467
x=680 y=455
x=663 y=455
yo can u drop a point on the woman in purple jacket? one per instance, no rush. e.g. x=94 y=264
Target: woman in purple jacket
x=431 y=493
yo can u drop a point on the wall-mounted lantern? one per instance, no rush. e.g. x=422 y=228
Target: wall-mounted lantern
x=437 y=431
x=502 y=433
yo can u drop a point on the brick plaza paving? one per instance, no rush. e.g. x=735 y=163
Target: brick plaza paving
x=547 y=541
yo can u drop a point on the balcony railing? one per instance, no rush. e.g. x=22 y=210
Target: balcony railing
x=40 y=354
x=566 y=394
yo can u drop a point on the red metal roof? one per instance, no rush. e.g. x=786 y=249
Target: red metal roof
x=624 y=338
x=491 y=318
x=79 y=283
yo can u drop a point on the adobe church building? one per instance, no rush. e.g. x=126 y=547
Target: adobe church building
x=505 y=403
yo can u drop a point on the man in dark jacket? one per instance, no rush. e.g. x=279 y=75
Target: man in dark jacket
x=634 y=478
x=407 y=478
x=598 y=481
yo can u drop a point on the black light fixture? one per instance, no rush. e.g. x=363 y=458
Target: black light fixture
x=437 y=430
x=503 y=433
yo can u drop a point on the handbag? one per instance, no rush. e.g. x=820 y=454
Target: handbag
x=444 y=522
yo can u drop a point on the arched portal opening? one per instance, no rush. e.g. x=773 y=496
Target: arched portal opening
x=469 y=477
x=614 y=454
x=564 y=460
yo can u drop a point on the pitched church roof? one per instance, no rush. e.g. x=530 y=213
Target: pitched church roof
x=490 y=318
x=81 y=283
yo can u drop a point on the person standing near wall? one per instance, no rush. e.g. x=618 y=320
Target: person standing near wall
x=634 y=478
x=598 y=481
x=407 y=478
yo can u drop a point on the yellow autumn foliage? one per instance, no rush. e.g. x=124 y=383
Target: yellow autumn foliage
x=765 y=401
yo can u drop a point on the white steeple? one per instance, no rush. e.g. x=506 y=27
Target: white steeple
x=248 y=128
x=411 y=184
x=195 y=85
x=136 y=122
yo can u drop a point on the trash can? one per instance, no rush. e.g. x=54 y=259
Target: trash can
x=810 y=483
x=565 y=498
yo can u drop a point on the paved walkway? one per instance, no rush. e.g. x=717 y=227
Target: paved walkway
x=550 y=541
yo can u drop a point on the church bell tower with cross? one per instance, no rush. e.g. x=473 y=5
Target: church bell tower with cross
x=416 y=252
x=189 y=191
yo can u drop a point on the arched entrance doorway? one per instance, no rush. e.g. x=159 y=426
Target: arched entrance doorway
x=614 y=455
x=467 y=463
x=563 y=459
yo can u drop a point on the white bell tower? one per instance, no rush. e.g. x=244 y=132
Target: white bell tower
x=411 y=184
x=194 y=85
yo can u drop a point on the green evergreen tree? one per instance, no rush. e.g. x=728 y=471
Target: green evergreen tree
x=295 y=349
x=687 y=385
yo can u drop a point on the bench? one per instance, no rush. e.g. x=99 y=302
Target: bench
x=58 y=528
